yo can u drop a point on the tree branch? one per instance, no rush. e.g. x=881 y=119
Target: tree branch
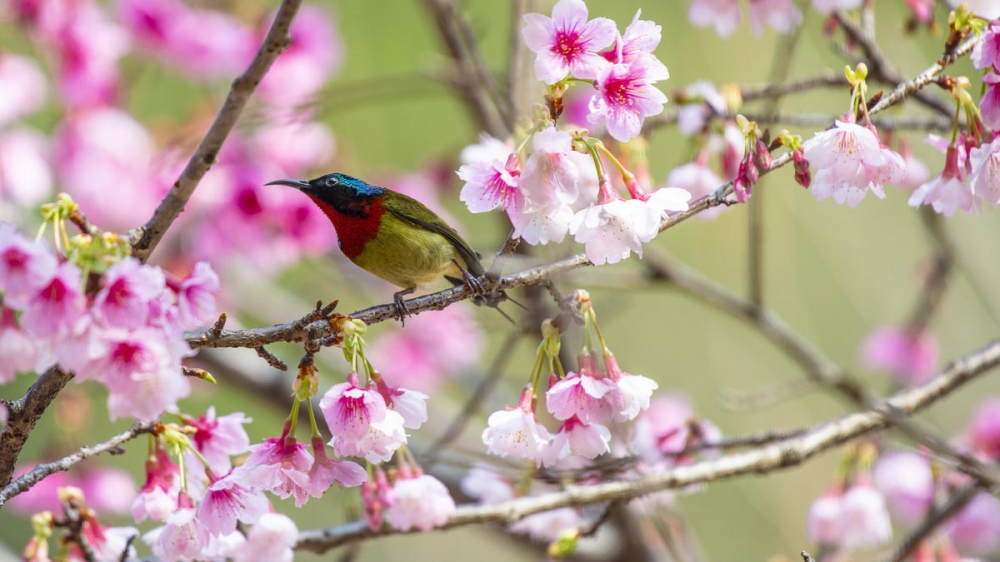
x=770 y=458
x=24 y=414
x=26 y=481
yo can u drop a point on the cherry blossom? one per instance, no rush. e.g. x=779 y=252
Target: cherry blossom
x=989 y=105
x=272 y=539
x=26 y=175
x=626 y=96
x=566 y=43
x=516 y=433
x=724 y=15
x=24 y=87
x=280 y=465
x=196 y=296
x=325 y=471
x=582 y=395
x=976 y=528
x=302 y=70
x=421 y=502
x=985 y=177
x=949 y=191
x=850 y=161
x=783 y=15
x=986 y=53
x=55 y=307
x=909 y=358
x=123 y=302
x=864 y=520
x=218 y=438
x=984 y=428
x=827 y=6
x=823 y=522
x=492 y=184
x=907 y=482
x=18 y=353
x=25 y=266
x=699 y=180
x=578 y=438
x=226 y=501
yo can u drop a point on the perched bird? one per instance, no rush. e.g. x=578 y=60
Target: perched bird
x=396 y=237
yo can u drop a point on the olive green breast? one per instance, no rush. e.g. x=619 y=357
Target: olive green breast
x=407 y=255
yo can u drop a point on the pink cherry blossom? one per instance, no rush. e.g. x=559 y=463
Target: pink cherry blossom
x=142 y=370
x=985 y=177
x=492 y=184
x=272 y=539
x=103 y=147
x=699 y=180
x=633 y=392
x=976 y=528
x=421 y=502
x=546 y=527
x=350 y=410
x=226 y=501
x=209 y=44
x=989 y=105
x=184 y=536
x=550 y=185
x=158 y=497
x=196 y=297
x=823 y=522
x=986 y=53
x=26 y=176
x=218 y=438
x=88 y=45
x=583 y=395
x=864 y=519
x=566 y=43
x=626 y=96
x=24 y=87
x=640 y=39
x=436 y=345
x=18 y=353
x=54 y=309
x=910 y=359
x=666 y=428
x=43 y=496
x=827 y=6
x=578 y=438
x=280 y=465
x=128 y=286
x=325 y=471
x=409 y=404
x=486 y=484
x=301 y=71
x=25 y=266
x=516 y=433
x=111 y=543
x=850 y=161
x=907 y=482
x=783 y=15
x=949 y=191
x=724 y=15
x=916 y=171
x=984 y=428
x=380 y=442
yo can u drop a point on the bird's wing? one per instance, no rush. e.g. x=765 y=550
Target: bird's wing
x=414 y=212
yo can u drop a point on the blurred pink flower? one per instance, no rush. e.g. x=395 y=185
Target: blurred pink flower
x=314 y=142
x=908 y=359
x=486 y=484
x=986 y=53
x=272 y=538
x=984 y=428
x=699 y=180
x=103 y=158
x=783 y=15
x=438 y=345
x=26 y=175
x=202 y=44
x=24 y=87
x=827 y=6
x=823 y=524
x=985 y=177
x=142 y=370
x=301 y=71
x=18 y=353
x=196 y=297
x=988 y=9
x=43 y=495
x=724 y=15
x=108 y=490
x=421 y=502
x=906 y=480
x=864 y=519
x=89 y=46
x=976 y=529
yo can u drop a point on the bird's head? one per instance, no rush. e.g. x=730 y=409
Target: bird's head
x=342 y=192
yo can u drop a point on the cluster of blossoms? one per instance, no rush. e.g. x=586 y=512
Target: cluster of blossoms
x=902 y=488
x=561 y=186
x=599 y=412
x=784 y=16
x=124 y=331
x=99 y=143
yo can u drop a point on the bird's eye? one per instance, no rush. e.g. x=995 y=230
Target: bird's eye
x=332 y=181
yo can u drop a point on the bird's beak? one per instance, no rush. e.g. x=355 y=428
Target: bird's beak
x=297 y=184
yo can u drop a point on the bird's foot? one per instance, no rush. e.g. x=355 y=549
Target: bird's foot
x=472 y=283
x=401 y=311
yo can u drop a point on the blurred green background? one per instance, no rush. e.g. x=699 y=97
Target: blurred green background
x=832 y=272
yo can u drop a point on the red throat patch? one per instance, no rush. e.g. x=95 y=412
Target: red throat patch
x=353 y=232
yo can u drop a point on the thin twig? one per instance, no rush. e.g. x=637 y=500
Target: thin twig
x=37 y=474
x=777 y=456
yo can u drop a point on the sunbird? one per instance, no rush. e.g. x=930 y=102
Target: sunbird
x=396 y=238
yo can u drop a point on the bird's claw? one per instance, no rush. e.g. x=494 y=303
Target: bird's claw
x=401 y=310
